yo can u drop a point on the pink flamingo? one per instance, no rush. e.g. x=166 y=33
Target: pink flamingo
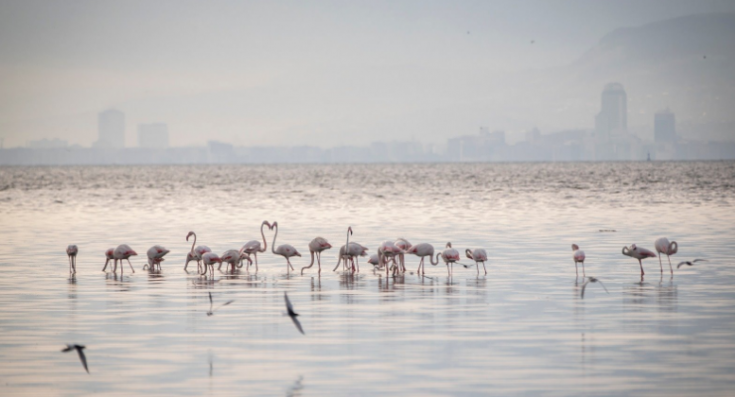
x=387 y=251
x=478 y=255
x=155 y=256
x=233 y=257
x=209 y=259
x=402 y=245
x=374 y=260
x=316 y=246
x=123 y=251
x=449 y=256
x=285 y=250
x=355 y=250
x=71 y=252
x=422 y=251
x=108 y=254
x=196 y=253
x=253 y=246
x=638 y=253
x=578 y=256
x=663 y=246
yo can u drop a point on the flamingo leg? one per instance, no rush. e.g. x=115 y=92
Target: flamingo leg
x=288 y=265
x=421 y=262
x=576 y=268
x=131 y=265
x=583 y=273
x=641 y=264
x=74 y=262
x=357 y=264
x=667 y=256
x=483 y=266
x=114 y=268
x=477 y=265
x=659 y=262
x=256 y=262
x=319 y=261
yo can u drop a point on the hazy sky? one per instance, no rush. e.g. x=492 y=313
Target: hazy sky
x=279 y=73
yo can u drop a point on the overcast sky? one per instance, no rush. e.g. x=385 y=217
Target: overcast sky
x=281 y=73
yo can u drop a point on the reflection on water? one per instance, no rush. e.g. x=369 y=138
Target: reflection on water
x=522 y=329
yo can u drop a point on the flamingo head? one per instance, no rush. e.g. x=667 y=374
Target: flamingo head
x=349 y=230
x=468 y=253
x=575 y=247
x=633 y=247
x=189 y=235
x=673 y=248
x=273 y=225
x=449 y=245
x=266 y=223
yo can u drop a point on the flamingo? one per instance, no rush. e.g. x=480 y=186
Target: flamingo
x=253 y=246
x=71 y=252
x=387 y=250
x=478 y=255
x=355 y=250
x=232 y=257
x=196 y=253
x=374 y=260
x=578 y=256
x=108 y=254
x=209 y=259
x=422 y=251
x=663 y=246
x=285 y=250
x=449 y=256
x=123 y=251
x=638 y=253
x=155 y=256
x=403 y=245
x=316 y=246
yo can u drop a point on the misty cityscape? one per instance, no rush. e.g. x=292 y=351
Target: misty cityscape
x=610 y=140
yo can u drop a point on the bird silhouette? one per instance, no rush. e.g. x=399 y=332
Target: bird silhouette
x=82 y=357
x=211 y=311
x=291 y=313
x=690 y=263
x=592 y=280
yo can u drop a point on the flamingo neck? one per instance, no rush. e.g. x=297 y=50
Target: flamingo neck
x=194 y=243
x=265 y=243
x=273 y=247
x=431 y=259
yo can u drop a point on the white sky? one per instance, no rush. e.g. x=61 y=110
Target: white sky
x=280 y=73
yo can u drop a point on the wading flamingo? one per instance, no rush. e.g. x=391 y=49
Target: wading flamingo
x=123 y=251
x=578 y=256
x=108 y=254
x=478 y=255
x=374 y=260
x=316 y=246
x=663 y=246
x=208 y=260
x=403 y=245
x=638 y=253
x=449 y=256
x=422 y=251
x=285 y=250
x=71 y=252
x=230 y=257
x=155 y=256
x=196 y=253
x=388 y=251
x=356 y=250
x=253 y=246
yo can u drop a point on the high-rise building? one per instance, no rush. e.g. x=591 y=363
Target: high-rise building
x=612 y=121
x=111 y=129
x=154 y=135
x=664 y=127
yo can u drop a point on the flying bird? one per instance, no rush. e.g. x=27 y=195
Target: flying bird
x=690 y=263
x=211 y=311
x=78 y=348
x=592 y=280
x=292 y=314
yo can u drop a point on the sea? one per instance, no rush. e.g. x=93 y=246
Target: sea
x=523 y=329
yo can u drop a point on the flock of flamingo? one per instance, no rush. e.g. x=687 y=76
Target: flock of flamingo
x=390 y=256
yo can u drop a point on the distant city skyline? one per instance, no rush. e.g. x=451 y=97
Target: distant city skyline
x=358 y=73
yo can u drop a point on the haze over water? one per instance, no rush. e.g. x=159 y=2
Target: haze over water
x=522 y=329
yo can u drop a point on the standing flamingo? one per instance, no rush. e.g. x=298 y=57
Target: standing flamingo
x=449 y=256
x=387 y=251
x=196 y=253
x=71 y=252
x=155 y=256
x=108 y=254
x=663 y=246
x=374 y=260
x=316 y=246
x=253 y=246
x=422 y=251
x=350 y=255
x=208 y=260
x=232 y=257
x=638 y=253
x=403 y=245
x=123 y=251
x=578 y=256
x=285 y=250
x=478 y=255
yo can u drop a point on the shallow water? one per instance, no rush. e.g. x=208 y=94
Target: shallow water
x=522 y=329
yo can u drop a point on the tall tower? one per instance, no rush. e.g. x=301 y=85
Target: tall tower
x=612 y=121
x=111 y=129
x=664 y=127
